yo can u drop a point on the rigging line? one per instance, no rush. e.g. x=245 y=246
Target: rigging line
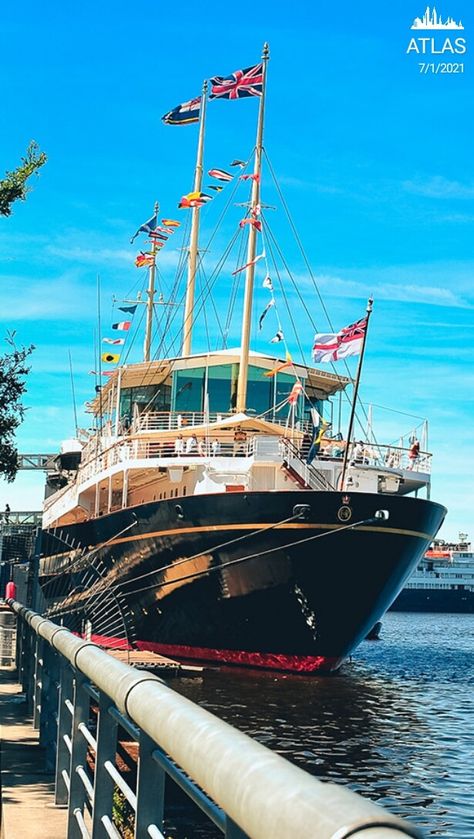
x=89 y=588
x=108 y=596
x=99 y=329
x=129 y=346
x=237 y=561
x=226 y=207
x=298 y=240
x=230 y=309
x=73 y=393
x=308 y=265
x=287 y=268
x=204 y=284
x=227 y=544
x=282 y=289
x=206 y=325
x=128 y=294
x=395 y=411
x=171 y=313
x=209 y=242
x=213 y=277
x=233 y=293
x=216 y=229
x=346 y=395
x=86 y=557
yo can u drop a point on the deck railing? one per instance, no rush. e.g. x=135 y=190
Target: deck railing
x=84 y=701
x=126 y=450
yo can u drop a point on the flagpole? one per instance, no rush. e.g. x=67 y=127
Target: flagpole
x=151 y=297
x=356 y=390
x=193 y=243
x=241 y=403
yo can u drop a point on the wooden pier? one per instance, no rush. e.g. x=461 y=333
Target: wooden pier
x=146 y=660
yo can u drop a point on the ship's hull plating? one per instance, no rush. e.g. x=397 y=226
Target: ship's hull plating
x=456 y=601
x=236 y=578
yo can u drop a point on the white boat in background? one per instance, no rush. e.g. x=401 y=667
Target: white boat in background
x=443 y=580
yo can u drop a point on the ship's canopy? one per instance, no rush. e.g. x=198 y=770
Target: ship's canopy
x=207 y=382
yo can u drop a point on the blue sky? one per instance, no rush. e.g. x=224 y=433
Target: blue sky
x=374 y=159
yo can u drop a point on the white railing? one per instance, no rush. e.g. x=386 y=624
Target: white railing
x=382 y=456
x=262 y=447
x=245 y=790
x=174 y=421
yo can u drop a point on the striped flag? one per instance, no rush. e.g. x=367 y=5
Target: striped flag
x=287 y=363
x=123 y=326
x=277 y=338
x=220 y=175
x=247 y=264
x=144 y=259
x=184 y=114
x=194 y=199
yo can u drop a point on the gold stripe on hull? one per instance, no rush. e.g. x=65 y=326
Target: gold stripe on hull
x=396 y=531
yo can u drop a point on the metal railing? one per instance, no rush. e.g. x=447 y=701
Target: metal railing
x=174 y=421
x=7 y=645
x=19 y=517
x=82 y=698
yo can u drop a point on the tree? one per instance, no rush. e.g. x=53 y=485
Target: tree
x=14 y=185
x=13 y=369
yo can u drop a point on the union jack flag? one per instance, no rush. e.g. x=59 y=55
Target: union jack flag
x=242 y=83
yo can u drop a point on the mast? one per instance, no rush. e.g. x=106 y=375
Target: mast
x=151 y=295
x=193 y=243
x=241 y=403
x=354 y=399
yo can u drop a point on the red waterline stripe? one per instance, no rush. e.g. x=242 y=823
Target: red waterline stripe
x=271 y=661
x=267 y=661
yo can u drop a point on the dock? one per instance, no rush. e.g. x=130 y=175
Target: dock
x=27 y=789
x=91 y=747
x=146 y=660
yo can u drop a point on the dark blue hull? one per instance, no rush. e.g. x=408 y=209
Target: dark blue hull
x=237 y=577
x=457 y=601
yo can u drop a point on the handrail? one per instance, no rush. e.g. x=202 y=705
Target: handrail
x=258 y=791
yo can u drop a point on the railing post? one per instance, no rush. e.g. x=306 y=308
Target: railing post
x=63 y=752
x=37 y=681
x=103 y=783
x=150 y=789
x=48 y=706
x=24 y=659
x=77 y=792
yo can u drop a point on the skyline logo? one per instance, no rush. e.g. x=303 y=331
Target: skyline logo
x=432 y=20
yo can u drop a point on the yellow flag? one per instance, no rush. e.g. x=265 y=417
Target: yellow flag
x=110 y=358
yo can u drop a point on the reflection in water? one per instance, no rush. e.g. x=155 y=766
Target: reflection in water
x=395 y=725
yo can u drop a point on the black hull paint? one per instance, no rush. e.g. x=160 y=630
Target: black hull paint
x=449 y=602
x=316 y=599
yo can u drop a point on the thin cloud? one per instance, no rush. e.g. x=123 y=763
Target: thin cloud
x=300 y=183
x=439 y=187
x=47 y=299
x=400 y=292
x=95 y=256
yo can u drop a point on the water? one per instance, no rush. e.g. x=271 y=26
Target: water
x=395 y=725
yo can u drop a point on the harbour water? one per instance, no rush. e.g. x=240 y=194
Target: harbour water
x=396 y=724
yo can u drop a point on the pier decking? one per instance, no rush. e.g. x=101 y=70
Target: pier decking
x=27 y=789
